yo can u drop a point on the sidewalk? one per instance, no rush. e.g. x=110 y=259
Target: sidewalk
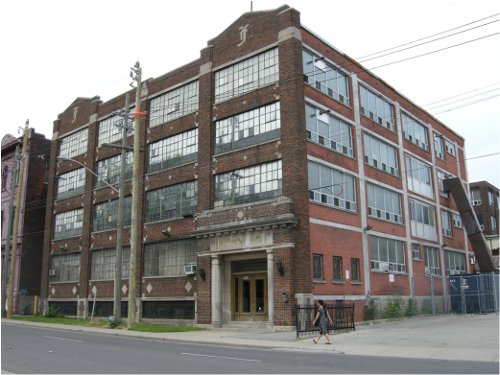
x=446 y=337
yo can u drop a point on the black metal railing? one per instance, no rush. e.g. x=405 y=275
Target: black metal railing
x=342 y=317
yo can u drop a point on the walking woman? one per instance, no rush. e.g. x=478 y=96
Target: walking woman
x=324 y=321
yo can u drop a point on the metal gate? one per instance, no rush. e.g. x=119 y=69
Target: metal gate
x=342 y=317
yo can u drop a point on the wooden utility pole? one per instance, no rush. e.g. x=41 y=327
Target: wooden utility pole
x=117 y=307
x=6 y=260
x=16 y=222
x=134 y=232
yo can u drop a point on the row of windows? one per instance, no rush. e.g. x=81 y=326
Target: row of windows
x=169 y=259
x=327 y=185
x=338 y=275
x=251 y=74
x=388 y=255
x=160 y=259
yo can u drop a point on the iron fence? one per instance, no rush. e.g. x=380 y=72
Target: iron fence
x=342 y=317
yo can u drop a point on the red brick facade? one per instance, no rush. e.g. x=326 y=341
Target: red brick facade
x=276 y=236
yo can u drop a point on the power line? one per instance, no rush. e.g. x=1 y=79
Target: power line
x=464 y=93
x=467 y=104
x=461 y=100
x=435 y=51
x=369 y=57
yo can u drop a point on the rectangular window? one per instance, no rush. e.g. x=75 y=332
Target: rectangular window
x=387 y=255
x=111 y=129
x=64 y=268
x=68 y=224
x=74 y=144
x=423 y=223
x=169 y=258
x=376 y=108
x=173 y=151
x=419 y=176
x=105 y=214
x=248 y=128
x=476 y=197
x=457 y=220
x=331 y=187
x=247 y=75
x=381 y=155
x=446 y=223
x=318 y=267
x=108 y=170
x=103 y=264
x=71 y=183
x=337 y=269
x=171 y=201
x=415 y=250
x=325 y=77
x=441 y=177
x=355 y=270
x=431 y=260
x=438 y=146
x=328 y=131
x=183 y=310
x=455 y=262
x=415 y=132
x=174 y=104
x=251 y=184
x=493 y=223
x=384 y=204
x=450 y=147
x=491 y=199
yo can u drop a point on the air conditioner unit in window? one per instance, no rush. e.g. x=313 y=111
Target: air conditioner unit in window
x=52 y=272
x=190 y=269
x=384 y=267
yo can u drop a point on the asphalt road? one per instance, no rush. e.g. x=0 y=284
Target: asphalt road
x=46 y=350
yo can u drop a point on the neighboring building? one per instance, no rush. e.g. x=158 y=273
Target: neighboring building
x=485 y=200
x=275 y=170
x=32 y=213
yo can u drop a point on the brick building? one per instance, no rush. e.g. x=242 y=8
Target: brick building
x=275 y=170
x=31 y=213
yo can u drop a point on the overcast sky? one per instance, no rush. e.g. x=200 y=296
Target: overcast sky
x=55 y=51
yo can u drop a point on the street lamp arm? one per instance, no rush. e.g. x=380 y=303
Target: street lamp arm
x=90 y=170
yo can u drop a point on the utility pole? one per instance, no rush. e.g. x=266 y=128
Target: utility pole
x=136 y=74
x=5 y=273
x=16 y=222
x=117 y=307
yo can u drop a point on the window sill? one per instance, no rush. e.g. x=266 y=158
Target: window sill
x=356 y=282
x=316 y=281
x=339 y=282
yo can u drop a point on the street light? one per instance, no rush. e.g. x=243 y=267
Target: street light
x=62 y=158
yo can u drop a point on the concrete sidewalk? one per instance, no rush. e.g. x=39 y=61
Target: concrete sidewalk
x=447 y=337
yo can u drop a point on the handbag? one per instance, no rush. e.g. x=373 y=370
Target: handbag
x=316 y=323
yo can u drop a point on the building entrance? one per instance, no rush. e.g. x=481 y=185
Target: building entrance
x=249 y=291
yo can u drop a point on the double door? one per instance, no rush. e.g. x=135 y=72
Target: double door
x=249 y=296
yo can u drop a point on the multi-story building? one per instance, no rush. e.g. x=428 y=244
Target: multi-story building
x=485 y=200
x=31 y=223
x=274 y=170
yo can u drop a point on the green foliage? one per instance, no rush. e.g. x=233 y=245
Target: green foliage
x=411 y=307
x=52 y=312
x=104 y=323
x=371 y=310
x=158 y=328
x=394 y=308
x=26 y=310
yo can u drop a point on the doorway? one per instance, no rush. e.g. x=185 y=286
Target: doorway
x=249 y=295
